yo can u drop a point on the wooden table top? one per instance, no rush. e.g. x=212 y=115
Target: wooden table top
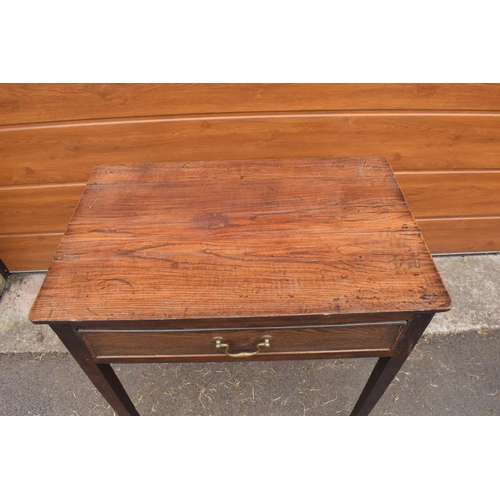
x=239 y=240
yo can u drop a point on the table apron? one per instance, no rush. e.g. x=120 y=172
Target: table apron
x=317 y=341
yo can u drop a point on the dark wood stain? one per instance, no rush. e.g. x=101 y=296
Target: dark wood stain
x=308 y=339
x=320 y=256
x=322 y=236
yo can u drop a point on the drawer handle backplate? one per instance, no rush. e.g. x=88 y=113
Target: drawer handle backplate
x=220 y=344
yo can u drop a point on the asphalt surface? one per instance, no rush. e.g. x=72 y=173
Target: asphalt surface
x=445 y=375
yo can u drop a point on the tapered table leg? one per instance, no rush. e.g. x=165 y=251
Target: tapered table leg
x=101 y=375
x=387 y=368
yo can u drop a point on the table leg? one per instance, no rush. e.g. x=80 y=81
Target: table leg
x=387 y=368
x=101 y=375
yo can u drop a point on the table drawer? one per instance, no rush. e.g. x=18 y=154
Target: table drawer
x=242 y=343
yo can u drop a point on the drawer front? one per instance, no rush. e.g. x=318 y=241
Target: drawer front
x=243 y=343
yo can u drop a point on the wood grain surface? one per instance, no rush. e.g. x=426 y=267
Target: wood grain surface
x=461 y=235
x=452 y=194
x=54 y=134
x=429 y=195
x=184 y=247
x=378 y=338
x=33 y=210
x=29 y=251
x=32 y=103
x=68 y=152
x=442 y=236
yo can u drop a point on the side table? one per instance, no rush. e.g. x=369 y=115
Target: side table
x=241 y=260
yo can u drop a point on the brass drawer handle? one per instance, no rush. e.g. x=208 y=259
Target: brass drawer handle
x=220 y=344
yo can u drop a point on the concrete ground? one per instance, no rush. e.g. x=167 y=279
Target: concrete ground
x=454 y=370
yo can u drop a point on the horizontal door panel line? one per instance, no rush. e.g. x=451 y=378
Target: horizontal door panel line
x=465 y=252
x=247 y=116
x=31 y=235
x=444 y=219
x=7 y=187
x=41 y=186
x=448 y=172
